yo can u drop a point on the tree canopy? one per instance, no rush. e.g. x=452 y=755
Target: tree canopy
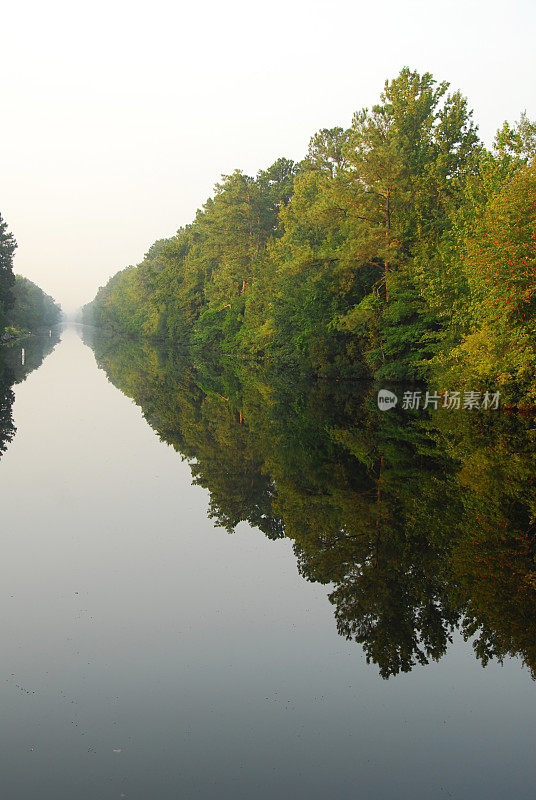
x=400 y=248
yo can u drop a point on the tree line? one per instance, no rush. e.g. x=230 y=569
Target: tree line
x=399 y=249
x=24 y=307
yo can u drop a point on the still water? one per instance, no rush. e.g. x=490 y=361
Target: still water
x=218 y=584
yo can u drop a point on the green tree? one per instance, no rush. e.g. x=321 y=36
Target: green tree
x=31 y=308
x=498 y=350
x=408 y=160
x=7 y=279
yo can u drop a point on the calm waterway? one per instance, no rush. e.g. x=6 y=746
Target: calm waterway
x=148 y=652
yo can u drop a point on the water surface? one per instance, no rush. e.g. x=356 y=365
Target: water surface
x=318 y=650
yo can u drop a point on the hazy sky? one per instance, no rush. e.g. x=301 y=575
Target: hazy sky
x=119 y=117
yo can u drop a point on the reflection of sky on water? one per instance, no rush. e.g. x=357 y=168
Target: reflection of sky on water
x=131 y=624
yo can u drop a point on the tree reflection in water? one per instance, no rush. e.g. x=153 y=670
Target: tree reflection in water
x=14 y=369
x=420 y=521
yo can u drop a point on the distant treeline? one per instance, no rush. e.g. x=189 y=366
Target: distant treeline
x=399 y=249
x=24 y=307
x=32 y=308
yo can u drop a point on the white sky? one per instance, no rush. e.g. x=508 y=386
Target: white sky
x=119 y=117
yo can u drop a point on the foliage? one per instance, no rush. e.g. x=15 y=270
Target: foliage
x=498 y=348
x=7 y=279
x=399 y=249
x=32 y=308
x=23 y=305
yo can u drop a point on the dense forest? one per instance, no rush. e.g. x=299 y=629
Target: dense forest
x=399 y=249
x=24 y=307
x=419 y=523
